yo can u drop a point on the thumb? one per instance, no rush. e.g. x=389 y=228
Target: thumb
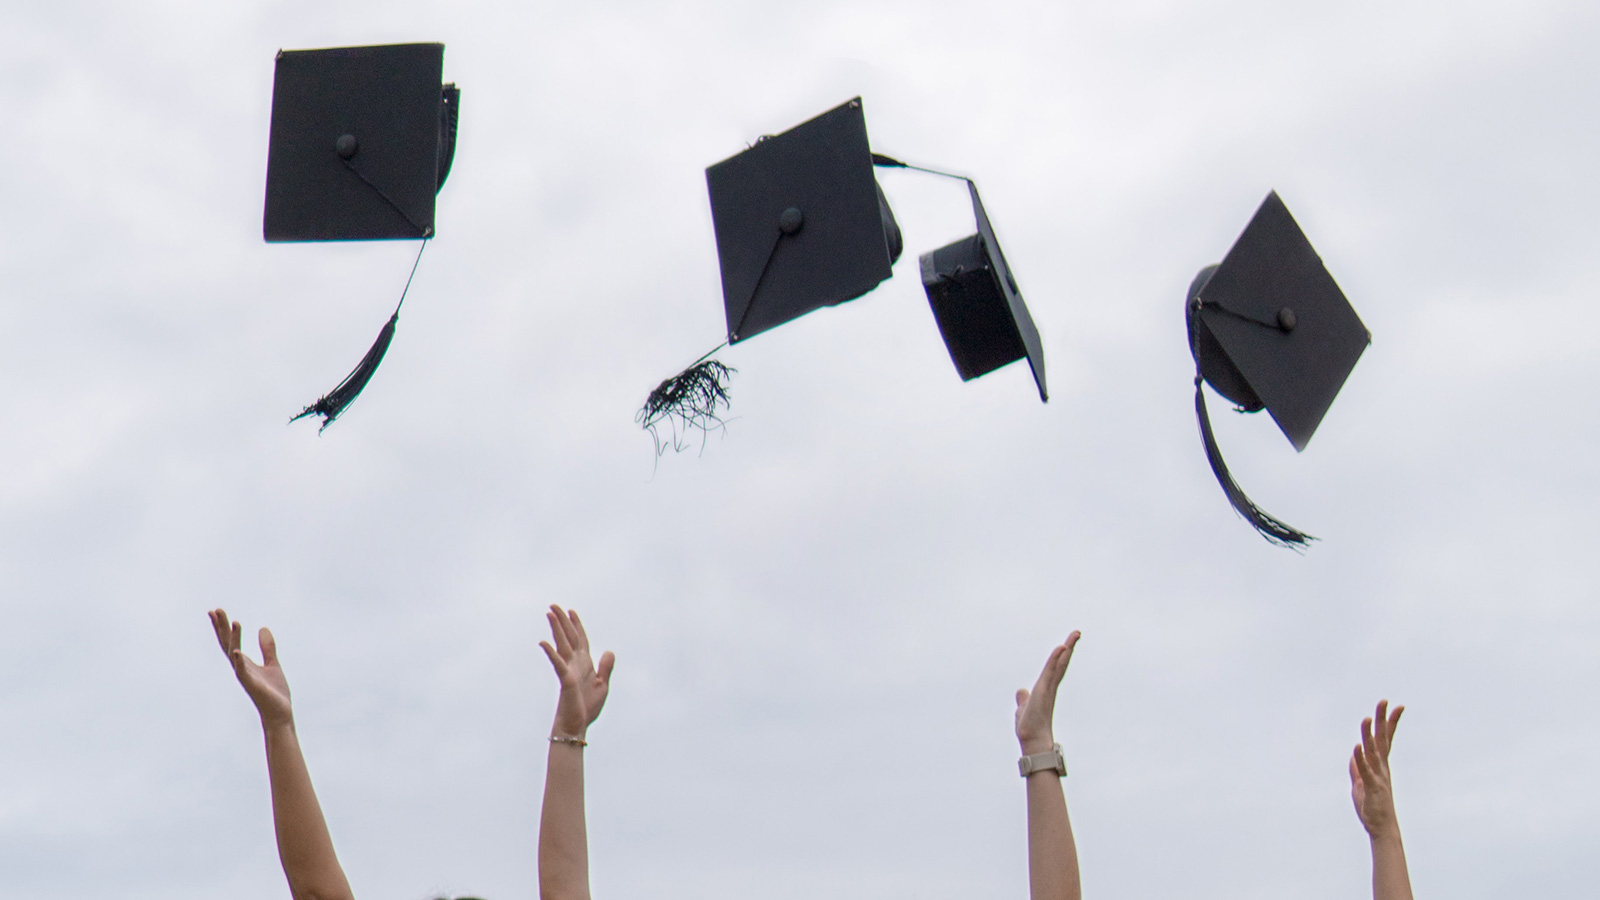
x=269 y=648
x=1022 y=697
x=608 y=660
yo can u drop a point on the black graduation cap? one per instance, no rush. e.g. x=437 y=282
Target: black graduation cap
x=1270 y=329
x=362 y=139
x=801 y=223
x=977 y=304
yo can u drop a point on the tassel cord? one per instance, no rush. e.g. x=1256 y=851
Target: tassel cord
x=414 y=263
x=708 y=354
x=889 y=162
x=751 y=302
x=1239 y=315
x=423 y=233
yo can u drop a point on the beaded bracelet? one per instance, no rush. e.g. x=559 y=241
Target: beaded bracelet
x=560 y=739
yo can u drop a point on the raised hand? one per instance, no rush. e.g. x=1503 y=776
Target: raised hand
x=264 y=682
x=1036 y=709
x=304 y=847
x=583 y=688
x=1370 y=786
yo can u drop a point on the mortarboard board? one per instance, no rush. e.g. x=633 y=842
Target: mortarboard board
x=801 y=223
x=1270 y=329
x=977 y=304
x=362 y=138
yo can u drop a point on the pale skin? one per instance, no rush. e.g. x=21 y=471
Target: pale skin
x=304 y=846
x=563 y=831
x=1052 y=854
x=1373 y=793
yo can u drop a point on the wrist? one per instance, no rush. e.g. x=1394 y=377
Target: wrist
x=277 y=721
x=1385 y=836
x=1032 y=745
x=561 y=732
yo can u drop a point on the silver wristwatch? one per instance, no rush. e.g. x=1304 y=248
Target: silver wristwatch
x=1040 y=762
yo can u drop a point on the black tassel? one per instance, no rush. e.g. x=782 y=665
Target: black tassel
x=1270 y=528
x=333 y=404
x=686 y=401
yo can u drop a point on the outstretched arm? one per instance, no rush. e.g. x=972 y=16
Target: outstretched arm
x=304 y=846
x=563 y=833
x=1052 y=854
x=1373 y=792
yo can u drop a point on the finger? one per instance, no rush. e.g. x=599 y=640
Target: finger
x=555 y=630
x=1022 y=697
x=1380 y=729
x=558 y=631
x=241 y=664
x=1369 y=744
x=1072 y=641
x=234 y=643
x=1050 y=677
x=1047 y=674
x=220 y=625
x=1355 y=776
x=570 y=630
x=1394 y=722
x=577 y=625
x=1058 y=661
x=607 y=661
x=555 y=660
x=1363 y=768
x=269 y=647
x=1063 y=657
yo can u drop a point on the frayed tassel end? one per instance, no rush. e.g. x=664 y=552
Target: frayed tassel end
x=1272 y=529
x=685 y=402
x=333 y=404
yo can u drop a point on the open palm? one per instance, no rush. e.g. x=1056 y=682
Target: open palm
x=1370 y=786
x=1036 y=709
x=583 y=687
x=264 y=681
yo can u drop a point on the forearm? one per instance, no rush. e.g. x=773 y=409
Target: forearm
x=563 y=831
x=1390 y=878
x=1052 y=854
x=304 y=845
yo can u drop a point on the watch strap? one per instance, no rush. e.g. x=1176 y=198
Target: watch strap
x=1039 y=762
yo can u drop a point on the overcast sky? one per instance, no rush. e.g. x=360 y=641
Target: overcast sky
x=820 y=619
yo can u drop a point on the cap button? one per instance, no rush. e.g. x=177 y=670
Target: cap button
x=790 y=220
x=345 y=146
x=1286 y=319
